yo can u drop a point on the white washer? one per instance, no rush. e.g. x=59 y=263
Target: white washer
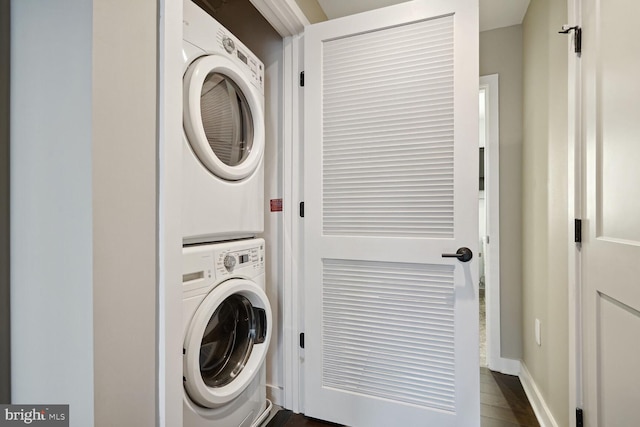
x=227 y=329
x=223 y=117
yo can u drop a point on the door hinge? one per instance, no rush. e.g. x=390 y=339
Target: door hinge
x=302 y=78
x=577 y=236
x=577 y=36
x=579 y=420
x=301 y=209
x=302 y=340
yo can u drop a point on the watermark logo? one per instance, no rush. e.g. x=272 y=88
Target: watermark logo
x=34 y=415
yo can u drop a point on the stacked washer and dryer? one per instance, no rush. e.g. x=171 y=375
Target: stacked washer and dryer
x=226 y=313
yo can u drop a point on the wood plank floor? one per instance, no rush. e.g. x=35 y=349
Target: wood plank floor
x=503 y=403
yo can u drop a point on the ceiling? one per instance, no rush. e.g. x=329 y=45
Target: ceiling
x=493 y=13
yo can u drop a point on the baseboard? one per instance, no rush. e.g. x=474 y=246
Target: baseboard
x=540 y=408
x=505 y=366
x=275 y=395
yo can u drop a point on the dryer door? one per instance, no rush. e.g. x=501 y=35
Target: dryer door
x=226 y=342
x=223 y=117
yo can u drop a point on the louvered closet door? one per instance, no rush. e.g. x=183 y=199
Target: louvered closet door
x=391 y=128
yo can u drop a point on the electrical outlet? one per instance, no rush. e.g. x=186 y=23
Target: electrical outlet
x=538 y=334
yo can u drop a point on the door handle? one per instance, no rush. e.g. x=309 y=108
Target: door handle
x=463 y=254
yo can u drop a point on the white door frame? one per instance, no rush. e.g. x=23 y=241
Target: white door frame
x=292 y=314
x=495 y=361
x=574 y=208
x=169 y=258
x=289 y=21
x=490 y=85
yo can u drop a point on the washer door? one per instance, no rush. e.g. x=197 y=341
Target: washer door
x=223 y=118
x=226 y=343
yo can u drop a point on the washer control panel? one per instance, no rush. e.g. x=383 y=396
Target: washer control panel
x=206 y=265
x=247 y=260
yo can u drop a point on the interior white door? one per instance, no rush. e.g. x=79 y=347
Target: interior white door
x=390 y=184
x=611 y=233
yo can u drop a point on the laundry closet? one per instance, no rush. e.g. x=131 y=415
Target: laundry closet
x=371 y=284
x=241 y=19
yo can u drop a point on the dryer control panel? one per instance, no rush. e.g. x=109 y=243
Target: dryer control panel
x=203 y=31
x=242 y=56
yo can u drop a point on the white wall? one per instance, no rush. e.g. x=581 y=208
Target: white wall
x=51 y=209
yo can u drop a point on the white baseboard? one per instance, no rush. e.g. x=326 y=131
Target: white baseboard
x=505 y=366
x=543 y=414
x=275 y=395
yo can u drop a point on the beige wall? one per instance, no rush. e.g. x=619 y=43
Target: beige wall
x=501 y=53
x=5 y=327
x=544 y=191
x=312 y=10
x=124 y=212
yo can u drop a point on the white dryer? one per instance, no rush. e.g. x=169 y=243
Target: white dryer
x=224 y=135
x=227 y=329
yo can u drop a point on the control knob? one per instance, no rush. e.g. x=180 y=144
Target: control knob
x=228 y=44
x=229 y=262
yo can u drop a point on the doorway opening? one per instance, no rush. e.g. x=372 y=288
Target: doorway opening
x=489 y=225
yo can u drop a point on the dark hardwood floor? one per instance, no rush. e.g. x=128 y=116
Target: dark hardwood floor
x=503 y=403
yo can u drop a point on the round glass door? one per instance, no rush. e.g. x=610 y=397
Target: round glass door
x=226 y=119
x=226 y=342
x=223 y=118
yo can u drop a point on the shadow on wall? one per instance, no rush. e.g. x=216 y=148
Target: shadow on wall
x=5 y=336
